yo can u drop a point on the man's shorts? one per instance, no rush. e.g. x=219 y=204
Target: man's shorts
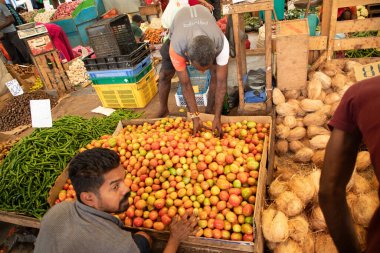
x=166 y=63
x=142 y=243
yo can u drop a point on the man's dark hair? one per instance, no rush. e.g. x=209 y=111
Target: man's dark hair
x=87 y=169
x=202 y=50
x=137 y=19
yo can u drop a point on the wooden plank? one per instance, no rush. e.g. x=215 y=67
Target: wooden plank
x=41 y=70
x=259 y=5
x=254 y=52
x=315 y=43
x=19 y=220
x=242 y=46
x=356 y=43
x=326 y=18
x=268 y=57
x=358 y=25
x=348 y=3
x=61 y=70
x=332 y=31
x=235 y=21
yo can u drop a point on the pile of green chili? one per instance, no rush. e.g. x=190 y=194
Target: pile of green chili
x=34 y=163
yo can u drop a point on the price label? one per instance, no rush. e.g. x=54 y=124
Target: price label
x=367 y=71
x=14 y=87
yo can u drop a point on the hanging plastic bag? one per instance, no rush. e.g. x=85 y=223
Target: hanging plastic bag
x=171 y=10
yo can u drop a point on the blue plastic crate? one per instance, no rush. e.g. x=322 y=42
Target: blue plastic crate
x=122 y=72
x=199 y=81
x=74 y=38
x=200 y=98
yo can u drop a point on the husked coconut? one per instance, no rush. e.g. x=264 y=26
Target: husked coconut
x=315 y=119
x=350 y=66
x=271 y=245
x=303 y=94
x=290 y=121
x=361 y=234
x=317 y=220
x=294 y=146
x=297 y=106
x=360 y=184
x=324 y=244
x=311 y=105
x=329 y=91
x=326 y=110
x=316 y=130
x=289 y=246
x=278 y=97
x=351 y=199
x=288 y=203
x=323 y=78
x=300 y=122
x=315 y=177
x=338 y=81
x=282 y=131
x=343 y=90
x=330 y=69
x=282 y=147
x=296 y=134
x=292 y=94
x=363 y=161
x=303 y=188
x=319 y=141
x=275 y=225
x=319 y=158
x=308 y=244
x=303 y=155
x=314 y=89
x=298 y=228
x=277 y=187
x=365 y=207
x=334 y=107
x=279 y=120
x=332 y=98
x=286 y=109
x=322 y=96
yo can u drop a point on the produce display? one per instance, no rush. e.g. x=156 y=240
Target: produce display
x=293 y=221
x=222 y=23
x=171 y=172
x=16 y=111
x=37 y=85
x=6 y=147
x=154 y=35
x=28 y=16
x=34 y=163
x=65 y=10
x=43 y=16
x=24 y=71
x=251 y=23
x=77 y=72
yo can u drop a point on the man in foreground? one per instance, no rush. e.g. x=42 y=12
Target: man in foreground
x=87 y=225
x=195 y=39
x=355 y=120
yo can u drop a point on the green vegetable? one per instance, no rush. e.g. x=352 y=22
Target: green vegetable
x=362 y=53
x=33 y=164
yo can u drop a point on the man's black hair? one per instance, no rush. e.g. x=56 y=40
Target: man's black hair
x=87 y=169
x=202 y=50
x=137 y=19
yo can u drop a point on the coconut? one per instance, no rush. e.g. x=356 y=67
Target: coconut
x=365 y=207
x=271 y=245
x=316 y=119
x=292 y=94
x=315 y=177
x=294 y=146
x=303 y=188
x=278 y=97
x=290 y=121
x=329 y=91
x=303 y=155
x=277 y=187
x=298 y=228
x=297 y=107
x=282 y=131
x=285 y=172
x=314 y=89
x=322 y=96
x=323 y=78
x=350 y=66
x=311 y=105
x=317 y=220
x=279 y=120
x=343 y=90
x=360 y=184
x=334 y=107
x=282 y=147
x=308 y=244
x=316 y=130
x=286 y=109
x=326 y=110
x=361 y=234
x=330 y=69
x=363 y=160
x=289 y=246
x=289 y=203
x=351 y=199
x=319 y=141
x=319 y=158
x=324 y=244
x=300 y=122
x=332 y=98
x=275 y=225
x=338 y=81
x=296 y=134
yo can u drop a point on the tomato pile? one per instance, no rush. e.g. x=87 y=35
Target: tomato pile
x=171 y=172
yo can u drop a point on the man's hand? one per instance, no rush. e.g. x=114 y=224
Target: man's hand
x=197 y=125
x=217 y=126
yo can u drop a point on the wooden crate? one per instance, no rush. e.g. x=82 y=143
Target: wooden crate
x=292 y=46
x=201 y=244
x=152 y=9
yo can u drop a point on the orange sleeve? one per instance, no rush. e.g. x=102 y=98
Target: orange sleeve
x=178 y=61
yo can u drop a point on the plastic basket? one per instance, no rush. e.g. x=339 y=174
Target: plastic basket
x=118 y=62
x=198 y=80
x=110 y=37
x=122 y=72
x=200 y=98
x=122 y=79
x=136 y=95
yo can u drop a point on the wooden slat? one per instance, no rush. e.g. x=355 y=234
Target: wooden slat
x=268 y=57
x=332 y=32
x=253 y=52
x=242 y=46
x=315 y=43
x=358 y=25
x=19 y=220
x=40 y=66
x=356 y=43
x=239 y=63
x=348 y=3
x=326 y=17
x=259 y=5
x=61 y=70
